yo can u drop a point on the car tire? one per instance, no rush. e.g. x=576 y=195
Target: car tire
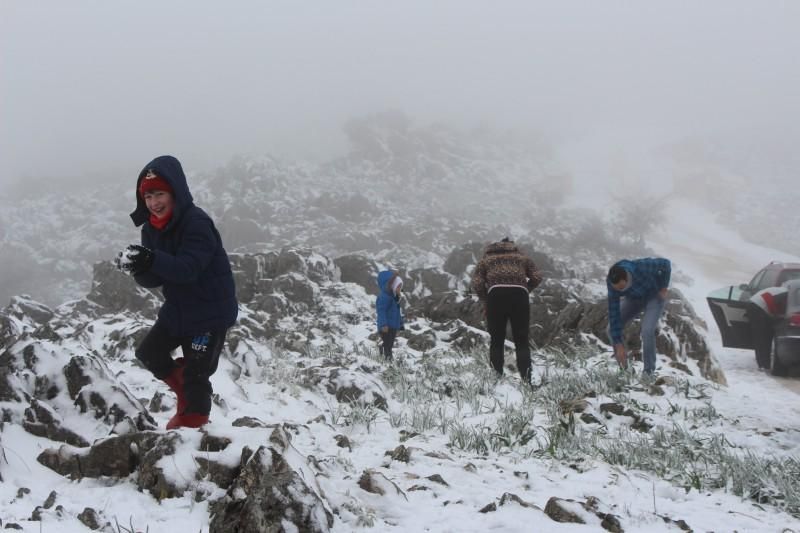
x=776 y=367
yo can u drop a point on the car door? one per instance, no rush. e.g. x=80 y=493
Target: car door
x=730 y=314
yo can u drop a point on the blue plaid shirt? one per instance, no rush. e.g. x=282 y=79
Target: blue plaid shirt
x=649 y=275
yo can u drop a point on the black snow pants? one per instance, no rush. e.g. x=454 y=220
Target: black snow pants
x=388 y=338
x=504 y=304
x=200 y=359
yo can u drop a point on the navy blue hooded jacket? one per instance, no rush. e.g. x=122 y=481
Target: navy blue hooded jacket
x=648 y=276
x=189 y=262
x=387 y=303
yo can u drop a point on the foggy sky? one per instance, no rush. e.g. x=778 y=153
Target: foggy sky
x=94 y=86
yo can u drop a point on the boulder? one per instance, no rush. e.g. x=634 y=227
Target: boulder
x=422 y=341
x=375 y=482
x=354 y=387
x=117 y=292
x=463 y=257
x=89 y=518
x=116 y=457
x=358 y=269
x=251 y=272
x=41 y=420
x=425 y=281
x=270 y=494
x=24 y=306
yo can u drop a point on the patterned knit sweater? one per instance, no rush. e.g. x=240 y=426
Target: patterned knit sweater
x=503 y=264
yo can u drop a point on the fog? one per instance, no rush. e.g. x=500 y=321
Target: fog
x=90 y=87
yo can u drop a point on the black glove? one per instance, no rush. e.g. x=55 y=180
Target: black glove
x=134 y=259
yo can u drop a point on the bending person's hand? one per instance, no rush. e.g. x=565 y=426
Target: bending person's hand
x=621 y=356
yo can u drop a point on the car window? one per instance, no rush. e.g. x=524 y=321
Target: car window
x=769 y=279
x=793 y=299
x=727 y=293
x=786 y=275
x=754 y=282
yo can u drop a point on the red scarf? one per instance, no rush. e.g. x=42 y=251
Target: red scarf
x=160 y=223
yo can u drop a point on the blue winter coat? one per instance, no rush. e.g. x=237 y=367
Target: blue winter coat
x=648 y=276
x=189 y=263
x=387 y=303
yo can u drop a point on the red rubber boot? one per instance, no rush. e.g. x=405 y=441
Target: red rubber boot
x=187 y=420
x=175 y=382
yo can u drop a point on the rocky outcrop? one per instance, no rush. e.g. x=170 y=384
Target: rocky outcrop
x=265 y=491
x=462 y=258
x=564 y=316
x=274 y=491
x=116 y=292
x=346 y=385
x=23 y=308
x=48 y=384
x=43 y=421
x=359 y=269
x=377 y=483
x=308 y=287
x=115 y=457
x=586 y=512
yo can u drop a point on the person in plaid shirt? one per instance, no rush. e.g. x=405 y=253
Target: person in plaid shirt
x=636 y=286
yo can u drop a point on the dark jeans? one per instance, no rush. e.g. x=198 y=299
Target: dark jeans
x=200 y=356
x=629 y=308
x=388 y=342
x=504 y=304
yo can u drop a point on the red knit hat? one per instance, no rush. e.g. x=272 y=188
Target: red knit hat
x=153 y=182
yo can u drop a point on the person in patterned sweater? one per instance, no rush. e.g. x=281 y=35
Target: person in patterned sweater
x=503 y=279
x=636 y=286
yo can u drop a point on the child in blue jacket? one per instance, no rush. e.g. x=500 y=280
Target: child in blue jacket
x=390 y=320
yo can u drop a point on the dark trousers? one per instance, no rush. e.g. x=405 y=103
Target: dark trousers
x=653 y=308
x=200 y=356
x=504 y=304
x=388 y=342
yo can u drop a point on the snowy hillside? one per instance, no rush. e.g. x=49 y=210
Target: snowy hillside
x=312 y=431
x=404 y=194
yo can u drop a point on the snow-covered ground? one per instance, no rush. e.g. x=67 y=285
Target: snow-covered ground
x=756 y=412
x=716 y=257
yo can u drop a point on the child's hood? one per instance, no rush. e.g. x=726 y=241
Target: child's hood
x=169 y=168
x=385 y=278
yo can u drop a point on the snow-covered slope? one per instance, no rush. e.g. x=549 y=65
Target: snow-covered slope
x=318 y=435
x=404 y=194
x=717 y=257
x=312 y=431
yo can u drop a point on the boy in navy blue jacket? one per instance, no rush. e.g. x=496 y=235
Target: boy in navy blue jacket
x=636 y=286
x=182 y=253
x=390 y=319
